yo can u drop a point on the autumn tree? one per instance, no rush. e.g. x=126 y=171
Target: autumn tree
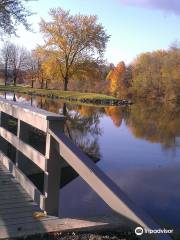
x=157 y=74
x=90 y=77
x=13 y=13
x=116 y=77
x=70 y=41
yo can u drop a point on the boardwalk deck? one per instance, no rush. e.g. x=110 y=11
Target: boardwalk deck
x=17 y=208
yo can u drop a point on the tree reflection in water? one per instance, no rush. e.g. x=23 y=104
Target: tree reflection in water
x=152 y=121
x=82 y=126
x=157 y=123
x=101 y=131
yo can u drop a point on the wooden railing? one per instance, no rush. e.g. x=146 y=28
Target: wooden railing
x=24 y=118
x=57 y=149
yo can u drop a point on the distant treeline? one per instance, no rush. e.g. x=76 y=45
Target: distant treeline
x=152 y=75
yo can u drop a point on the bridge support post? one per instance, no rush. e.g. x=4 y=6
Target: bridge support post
x=53 y=172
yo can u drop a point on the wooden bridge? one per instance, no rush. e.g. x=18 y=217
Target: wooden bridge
x=34 y=137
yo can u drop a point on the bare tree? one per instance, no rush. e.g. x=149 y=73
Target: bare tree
x=5 y=58
x=18 y=61
x=33 y=69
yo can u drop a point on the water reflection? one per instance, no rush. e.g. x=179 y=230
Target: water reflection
x=156 y=123
x=138 y=147
x=84 y=129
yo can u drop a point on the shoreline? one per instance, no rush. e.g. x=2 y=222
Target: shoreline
x=71 y=96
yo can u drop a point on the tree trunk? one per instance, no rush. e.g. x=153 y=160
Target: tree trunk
x=42 y=83
x=64 y=109
x=15 y=80
x=46 y=84
x=32 y=83
x=6 y=75
x=15 y=77
x=66 y=83
x=42 y=80
x=14 y=97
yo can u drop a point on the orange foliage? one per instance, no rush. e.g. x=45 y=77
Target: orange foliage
x=115 y=114
x=86 y=111
x=116 y=77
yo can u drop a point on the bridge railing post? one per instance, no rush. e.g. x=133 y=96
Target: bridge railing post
x=52 y=174
x=18 y=135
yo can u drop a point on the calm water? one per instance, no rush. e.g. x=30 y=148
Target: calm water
x=138 y=147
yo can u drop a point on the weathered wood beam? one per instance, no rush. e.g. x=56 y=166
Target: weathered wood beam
x=26 y=149
x=35 y=117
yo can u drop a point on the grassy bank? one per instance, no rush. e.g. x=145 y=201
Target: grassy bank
x=76 y=97
x=67 y=95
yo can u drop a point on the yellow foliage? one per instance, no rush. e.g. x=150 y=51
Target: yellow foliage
x=116 y=78
x=70 y=40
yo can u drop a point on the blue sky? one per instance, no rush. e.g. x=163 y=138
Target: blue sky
x=135 y=26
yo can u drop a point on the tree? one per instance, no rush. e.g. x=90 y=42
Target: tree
x=13 y=13
x=116 y=77
x=157 y=74
x=71 y=40
x=5 y=57
x=32 y=68
x=18 y=61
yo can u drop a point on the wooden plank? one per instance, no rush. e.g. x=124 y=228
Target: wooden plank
x=15 y=215
x=21 y=220
x=27 y=185
x=13 y=196
x=8 y=183
x=8 y=198
x=17 y=205
x=51 y=226
x=19 y=208
x=24 y=220
x=12 y=189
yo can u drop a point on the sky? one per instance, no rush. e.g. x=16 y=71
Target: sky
x=135 y=26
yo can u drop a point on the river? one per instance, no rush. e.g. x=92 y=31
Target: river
x=137 y=146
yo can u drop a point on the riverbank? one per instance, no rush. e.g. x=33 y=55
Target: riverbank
x=89 y=98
